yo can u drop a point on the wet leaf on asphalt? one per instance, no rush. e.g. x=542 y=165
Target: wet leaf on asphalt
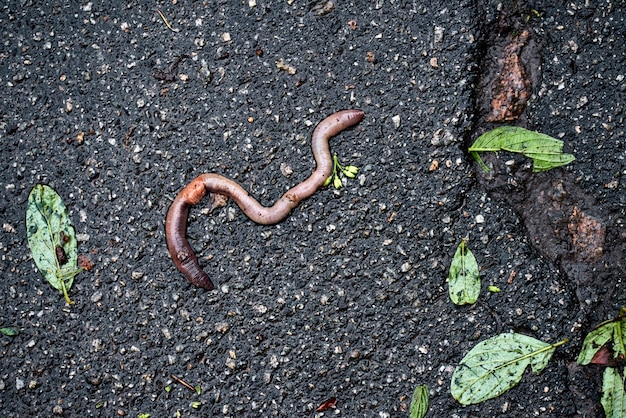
x=496 y=365
x=598 y=339
x=419 y=402
x=613 y=397
x=51 y=238
x=600 y=336
x=463 y=278
x=545 y=151
x=10 y=331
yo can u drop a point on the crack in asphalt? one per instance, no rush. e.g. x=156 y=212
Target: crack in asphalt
x=564 y=223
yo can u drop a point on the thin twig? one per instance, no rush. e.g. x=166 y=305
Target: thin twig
x=182 y=382
x=166 y=22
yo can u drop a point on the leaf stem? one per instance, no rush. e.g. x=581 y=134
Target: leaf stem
x=65 y=295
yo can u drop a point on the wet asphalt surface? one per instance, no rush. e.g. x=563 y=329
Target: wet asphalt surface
x=347 y=297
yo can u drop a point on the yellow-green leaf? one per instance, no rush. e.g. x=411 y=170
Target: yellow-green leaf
x=10 y=331
x=613 y=329
x=496 y=365
x=51 y=238
x=613 y=396
x=463 y=278
x=419 y=402
x=545 y=151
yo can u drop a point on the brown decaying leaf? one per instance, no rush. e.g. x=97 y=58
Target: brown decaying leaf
x=605 y=357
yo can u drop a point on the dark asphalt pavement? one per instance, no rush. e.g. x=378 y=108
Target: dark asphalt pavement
x=347 y=297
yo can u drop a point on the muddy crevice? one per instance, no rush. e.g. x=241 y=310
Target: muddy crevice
x=564 y=222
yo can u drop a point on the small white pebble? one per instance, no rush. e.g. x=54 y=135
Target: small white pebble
x=396 y=121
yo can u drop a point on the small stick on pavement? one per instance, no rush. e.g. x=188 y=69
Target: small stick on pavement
x=182 y=382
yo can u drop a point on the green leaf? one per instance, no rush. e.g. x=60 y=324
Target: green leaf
x=463 y=278
x=419 y=402
x=10 y=331
x=496 y=365
x=613 y=397
x=51 y=238
x=494 y=289
x=545 y=151
x=198 y=389
x=196 y=405
x=612 y=329
x=143 y=416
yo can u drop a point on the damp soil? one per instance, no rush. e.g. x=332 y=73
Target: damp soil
x=119 y=107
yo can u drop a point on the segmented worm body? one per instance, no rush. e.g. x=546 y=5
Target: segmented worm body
x=221 y=187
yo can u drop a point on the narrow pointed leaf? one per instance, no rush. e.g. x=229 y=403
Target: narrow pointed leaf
x=419 y=402
x=51 y=238
x=497 y=364
x=463 y=278
x=613 y=396
x=545 y=151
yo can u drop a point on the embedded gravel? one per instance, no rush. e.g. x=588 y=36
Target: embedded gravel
x=347 y=297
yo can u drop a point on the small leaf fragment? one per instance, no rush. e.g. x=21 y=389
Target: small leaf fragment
x=10 y=331
x=545 y=151
x=51 y=238
x=613 y=396
x=196 y=404
x=494 y=289
x=604 y=357
x=143 y=416
x=419 y=402
x=198 y=389
x=463 y=278
x=497 y=364
x=613 y=329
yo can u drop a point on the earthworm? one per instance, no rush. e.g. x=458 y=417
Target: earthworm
x=220 y=187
